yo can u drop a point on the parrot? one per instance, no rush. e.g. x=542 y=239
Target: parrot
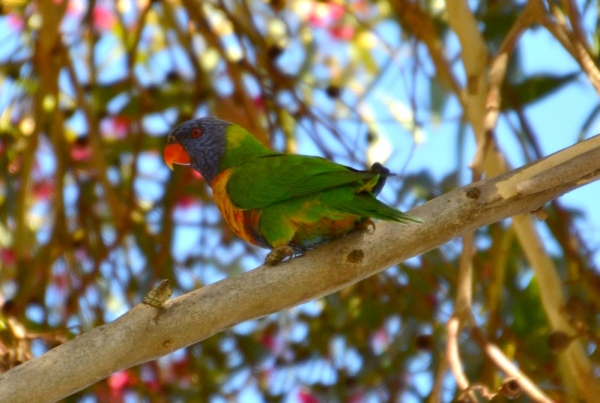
x=288 y=203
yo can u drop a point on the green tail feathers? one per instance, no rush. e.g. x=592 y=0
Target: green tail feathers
x=367 y=205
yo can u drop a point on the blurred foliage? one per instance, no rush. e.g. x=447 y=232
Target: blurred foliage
x=91 y=219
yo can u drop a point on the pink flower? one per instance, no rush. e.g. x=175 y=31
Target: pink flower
x=153 y=384
x=15 y=21
x=259 y=103
x=81 y=150
x=357 y=397
x=61 y=281
x=330 y=17
x=76 y=8
x=380 y=341
x=323 y=14
x=273 y=342
x=119 y=381
x=186 y=202
x=8 y=257
x=304 y=396
x=43 y=190
x=115 y=128
x=103 y=18
x=342 y=32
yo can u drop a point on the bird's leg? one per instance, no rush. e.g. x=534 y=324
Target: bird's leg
x=278 y=254
x=364 y=225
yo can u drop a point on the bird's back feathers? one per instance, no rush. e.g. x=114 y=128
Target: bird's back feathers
x=275 y=178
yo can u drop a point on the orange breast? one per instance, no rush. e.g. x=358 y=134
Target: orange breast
x=240 y=221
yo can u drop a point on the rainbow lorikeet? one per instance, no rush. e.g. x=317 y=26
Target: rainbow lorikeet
x=285 y=202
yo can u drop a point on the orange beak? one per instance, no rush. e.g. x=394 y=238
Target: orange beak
x=175 y=154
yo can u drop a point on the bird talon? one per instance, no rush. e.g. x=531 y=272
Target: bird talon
x=277 y=255
x=366 y=224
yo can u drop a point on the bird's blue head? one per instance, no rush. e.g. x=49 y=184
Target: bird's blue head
x=199 y=143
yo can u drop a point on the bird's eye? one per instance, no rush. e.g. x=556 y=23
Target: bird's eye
x=196 y=132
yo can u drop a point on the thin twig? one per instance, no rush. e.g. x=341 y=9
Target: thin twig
x=506 y=366
x=453 y=354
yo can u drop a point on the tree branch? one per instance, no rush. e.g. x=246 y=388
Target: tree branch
x=146 y=332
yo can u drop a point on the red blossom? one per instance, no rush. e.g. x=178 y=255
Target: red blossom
x=43 y=190
x=259 y=103
x=75 y=8
x=153 y=385
x=81 y=150
x=358 y=397
x=342 y=32
x=304 y=396
x=119 y=381
x=380 y=340
x=273 y=342
x=336 y=10
x=330 y=17
x=103 y=18
x=15 y=21
x=8 y=257
x=61 y=281
x=122 y=124
x=115 y=128
x=323 y=14
x=268 y=341
x=186 y=202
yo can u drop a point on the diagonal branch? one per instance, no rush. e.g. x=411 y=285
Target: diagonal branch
x=147 y=332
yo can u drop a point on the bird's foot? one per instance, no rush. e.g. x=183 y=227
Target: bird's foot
x=278 y=254
x=364 y=226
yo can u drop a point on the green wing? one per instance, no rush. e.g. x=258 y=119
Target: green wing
x=278 y=177
x=367 y=205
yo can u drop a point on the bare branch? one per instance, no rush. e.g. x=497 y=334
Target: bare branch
x=453 y=354
x=509 y=368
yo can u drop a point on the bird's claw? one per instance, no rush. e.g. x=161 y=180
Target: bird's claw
x=278 y=254
x=366 y=224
